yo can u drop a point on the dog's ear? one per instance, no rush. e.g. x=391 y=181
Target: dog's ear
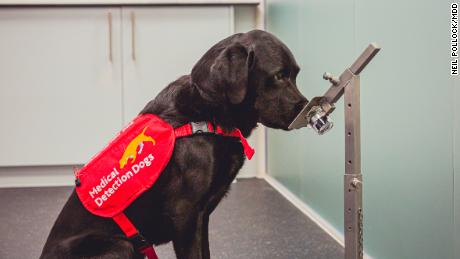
x=226 y=78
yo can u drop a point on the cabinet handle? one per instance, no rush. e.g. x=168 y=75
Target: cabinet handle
x=109 y=17
x=133 y=36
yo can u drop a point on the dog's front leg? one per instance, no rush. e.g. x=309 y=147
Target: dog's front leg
x=205 y=237
x=191 y=237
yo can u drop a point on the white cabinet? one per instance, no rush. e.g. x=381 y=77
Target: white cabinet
x=162 y=43
x=60 y=95
x=71 y=77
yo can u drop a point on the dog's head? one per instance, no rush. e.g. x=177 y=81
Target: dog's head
x=254 y=70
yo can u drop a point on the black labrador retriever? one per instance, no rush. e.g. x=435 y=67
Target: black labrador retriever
x=242 y=80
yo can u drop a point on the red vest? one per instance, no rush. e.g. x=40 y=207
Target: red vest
x=130 y=164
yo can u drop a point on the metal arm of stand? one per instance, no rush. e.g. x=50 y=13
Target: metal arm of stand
x=336 y=90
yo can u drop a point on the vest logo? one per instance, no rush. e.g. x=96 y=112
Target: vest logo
x=131 y=152
x=126 y=167
x=109 y=183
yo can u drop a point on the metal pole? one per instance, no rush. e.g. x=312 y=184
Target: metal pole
x=353 y=210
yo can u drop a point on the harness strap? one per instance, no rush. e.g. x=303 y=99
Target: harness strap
x=126 y=225
x=192 y=128
x=135 y=237
x=203 y=127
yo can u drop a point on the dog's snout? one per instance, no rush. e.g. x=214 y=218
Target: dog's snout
x=301 y=103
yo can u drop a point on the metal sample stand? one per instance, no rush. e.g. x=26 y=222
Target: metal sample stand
x=347 y=84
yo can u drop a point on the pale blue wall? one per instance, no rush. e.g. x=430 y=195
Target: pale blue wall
x=410 y=132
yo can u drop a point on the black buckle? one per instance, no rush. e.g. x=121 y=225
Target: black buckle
x=139 y=241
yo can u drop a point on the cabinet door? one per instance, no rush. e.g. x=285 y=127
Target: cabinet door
x=60 y=92
x=164 y=42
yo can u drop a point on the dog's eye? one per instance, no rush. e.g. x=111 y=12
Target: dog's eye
x=280 y=76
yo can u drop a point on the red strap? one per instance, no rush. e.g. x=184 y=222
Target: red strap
x=182 y=131
x=248 y=150
x=125 y=224
x=130 y=230
x=186 y=130
x=149 y=252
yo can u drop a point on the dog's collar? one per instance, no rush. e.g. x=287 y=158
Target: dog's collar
x=208 y=127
